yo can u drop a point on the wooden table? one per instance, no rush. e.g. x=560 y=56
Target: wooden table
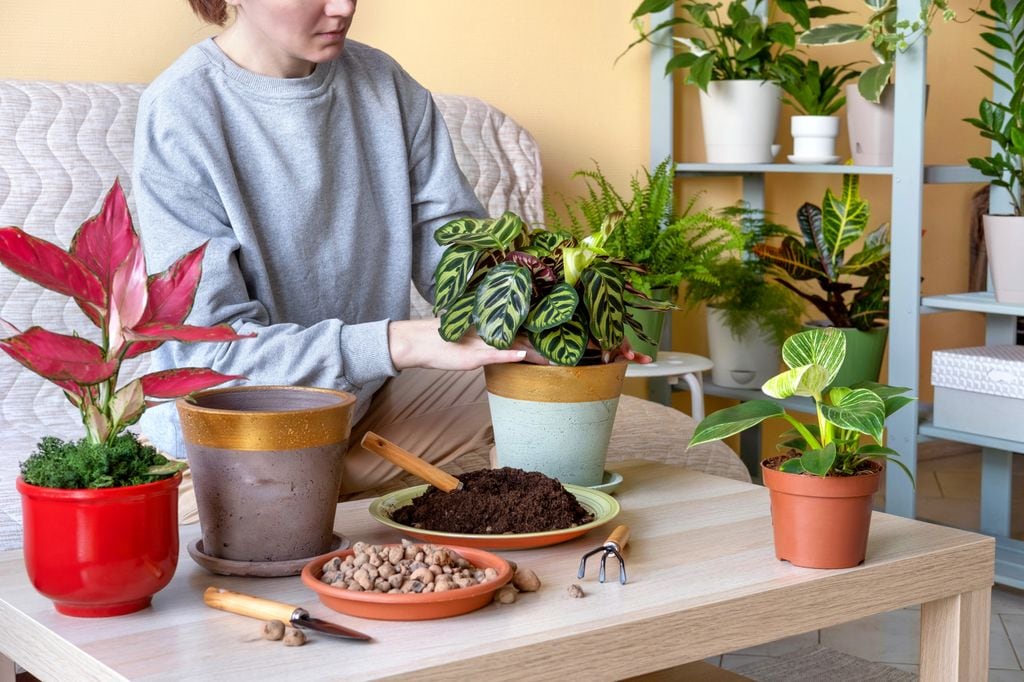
x=703 y=581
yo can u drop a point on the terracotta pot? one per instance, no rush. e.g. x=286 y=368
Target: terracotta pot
x=555 y=420
x=104 y=551
x=820 y=522
x=266 y=466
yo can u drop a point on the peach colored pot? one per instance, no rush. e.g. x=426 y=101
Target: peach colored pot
x=820 y=522
x=1004 y=242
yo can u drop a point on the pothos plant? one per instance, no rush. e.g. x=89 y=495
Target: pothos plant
x=833 y=446
x=853 y=291
x=566 y=295
x=104 y=271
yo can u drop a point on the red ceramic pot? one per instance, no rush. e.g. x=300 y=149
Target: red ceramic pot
x=102 y=552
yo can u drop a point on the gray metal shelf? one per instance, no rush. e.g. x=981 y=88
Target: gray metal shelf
x=975 y=302
x=705 y=169
x=932 y=431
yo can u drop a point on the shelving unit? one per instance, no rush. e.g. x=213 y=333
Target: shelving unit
x=909 y=175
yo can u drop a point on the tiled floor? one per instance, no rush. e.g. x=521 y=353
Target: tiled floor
x=947 y=489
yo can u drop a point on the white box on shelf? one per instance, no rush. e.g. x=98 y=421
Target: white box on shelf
x=980 y=390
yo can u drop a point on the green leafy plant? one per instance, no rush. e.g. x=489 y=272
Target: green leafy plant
x=885 y=33
x=104 y=271
x=811 y=89
x=566 y=294
x=1003 y=122
x=729 y=41
x=833 y=446
x=852 y=291
x=740 y=286
x=669 y=247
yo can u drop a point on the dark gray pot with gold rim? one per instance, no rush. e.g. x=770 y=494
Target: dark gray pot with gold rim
x=266 y=464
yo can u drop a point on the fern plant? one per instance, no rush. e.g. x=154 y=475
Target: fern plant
x=670 y=247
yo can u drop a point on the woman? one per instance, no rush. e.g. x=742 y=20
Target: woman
x=318 y=170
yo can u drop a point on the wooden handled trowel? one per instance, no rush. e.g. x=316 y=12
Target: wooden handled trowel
x=265 y=609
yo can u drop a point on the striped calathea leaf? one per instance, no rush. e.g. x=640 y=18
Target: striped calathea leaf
x=563 y=344
x=452 y=274
x=481 y=233
x=554 y=309
x=457 y=320
x=502 y=304
x=603 y=296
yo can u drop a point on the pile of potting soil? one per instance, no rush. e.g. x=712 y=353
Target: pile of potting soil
x=496 y=502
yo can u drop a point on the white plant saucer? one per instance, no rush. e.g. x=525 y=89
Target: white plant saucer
x=812 y=159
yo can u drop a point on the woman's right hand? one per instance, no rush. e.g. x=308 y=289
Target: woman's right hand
x=417 y=343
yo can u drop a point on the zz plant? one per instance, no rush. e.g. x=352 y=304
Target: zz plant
x=503 y=279
x=853 y=290
x=833 y=446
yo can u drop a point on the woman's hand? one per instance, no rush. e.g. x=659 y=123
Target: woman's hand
x=417 y=343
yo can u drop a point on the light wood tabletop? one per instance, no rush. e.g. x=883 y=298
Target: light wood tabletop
x=703 y=580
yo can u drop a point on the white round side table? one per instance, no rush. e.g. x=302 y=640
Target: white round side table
x=671 y=365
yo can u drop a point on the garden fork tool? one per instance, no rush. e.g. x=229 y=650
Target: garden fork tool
x=613 y=545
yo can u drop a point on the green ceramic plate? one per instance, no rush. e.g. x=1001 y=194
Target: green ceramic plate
x=604 y=507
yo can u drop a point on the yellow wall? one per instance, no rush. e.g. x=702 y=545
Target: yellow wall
x=549 y=64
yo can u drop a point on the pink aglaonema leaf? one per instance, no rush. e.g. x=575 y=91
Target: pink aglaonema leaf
x=182 y=332
x=108 y=239
x=128 y=404
x=174 y=383
x=171 y=295
x=96 y=424
x=47 y=265
x=60 y=358
x=128 y=299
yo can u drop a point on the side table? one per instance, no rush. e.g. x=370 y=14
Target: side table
x=671 y=365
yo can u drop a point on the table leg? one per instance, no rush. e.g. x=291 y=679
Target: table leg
x=954 y=637
x=696 y=395
x=8 y=673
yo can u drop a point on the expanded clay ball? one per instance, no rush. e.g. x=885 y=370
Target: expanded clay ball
x=273 y=630
x=403 y=569
x=575 y=591
x=526 y=580
x=294 y=637
x=505 y=595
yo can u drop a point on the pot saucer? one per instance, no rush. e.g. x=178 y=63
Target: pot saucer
x=611 y=481
x=812 y=159
x=256 y=569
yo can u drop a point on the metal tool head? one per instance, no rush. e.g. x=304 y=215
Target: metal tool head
x=605 y=552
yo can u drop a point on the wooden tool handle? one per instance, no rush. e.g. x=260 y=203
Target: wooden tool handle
x=620 y=536
x=245 y=605
x=438 y=478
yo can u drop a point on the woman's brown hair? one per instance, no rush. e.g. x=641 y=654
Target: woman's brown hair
x=210 y=11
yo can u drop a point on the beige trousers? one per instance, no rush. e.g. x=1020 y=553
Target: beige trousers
x=436 y=414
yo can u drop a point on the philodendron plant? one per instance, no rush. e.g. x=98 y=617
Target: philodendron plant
x=854 y=290
x=834 y=445
x=104 y=271
x=503 y=279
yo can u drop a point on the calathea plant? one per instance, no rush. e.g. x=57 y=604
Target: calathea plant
x=565 y=294
x=104 y=271
x=833 y=446
x=854 y=290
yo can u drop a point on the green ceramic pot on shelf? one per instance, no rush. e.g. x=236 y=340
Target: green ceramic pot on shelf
x=864 y=353
x=652 y=322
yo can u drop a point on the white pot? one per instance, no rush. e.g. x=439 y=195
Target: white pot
x=740 y=362
x=1004 y=242
x=740 y=119
x=870 y=127
x=814 y=137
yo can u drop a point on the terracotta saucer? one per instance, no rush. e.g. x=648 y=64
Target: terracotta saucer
x=255 y=569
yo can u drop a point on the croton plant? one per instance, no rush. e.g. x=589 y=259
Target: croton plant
x=104 y=271
x=566 y=295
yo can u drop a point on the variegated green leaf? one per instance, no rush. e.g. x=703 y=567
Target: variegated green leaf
x=603 y=296
x=823 y=347
x=860 y=410
x=506 y=228
x=452 y=273
x=819 y=462
x=732 y=420
x=476 y=232
x=562 y=345
x=458 y=318
x=843 y=218
x=502 y=304
x=808 y=380
x=554 y=309
x=544 y=242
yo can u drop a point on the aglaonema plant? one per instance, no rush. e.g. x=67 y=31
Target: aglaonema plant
x=566 y=295
x=834 y=446
x=104 y=271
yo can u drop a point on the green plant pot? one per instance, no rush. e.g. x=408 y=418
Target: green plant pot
x=864 y=352
x=652 y=322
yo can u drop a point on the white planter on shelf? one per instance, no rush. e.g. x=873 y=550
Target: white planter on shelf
x=870 y=127
x=814 y=139
x=740 y=119
x=746 y=361
x=1004 y=242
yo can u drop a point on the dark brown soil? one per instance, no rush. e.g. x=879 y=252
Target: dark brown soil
x=496 y=502
x=866 y=468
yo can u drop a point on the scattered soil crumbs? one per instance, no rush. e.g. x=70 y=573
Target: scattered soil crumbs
x=496 y=502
